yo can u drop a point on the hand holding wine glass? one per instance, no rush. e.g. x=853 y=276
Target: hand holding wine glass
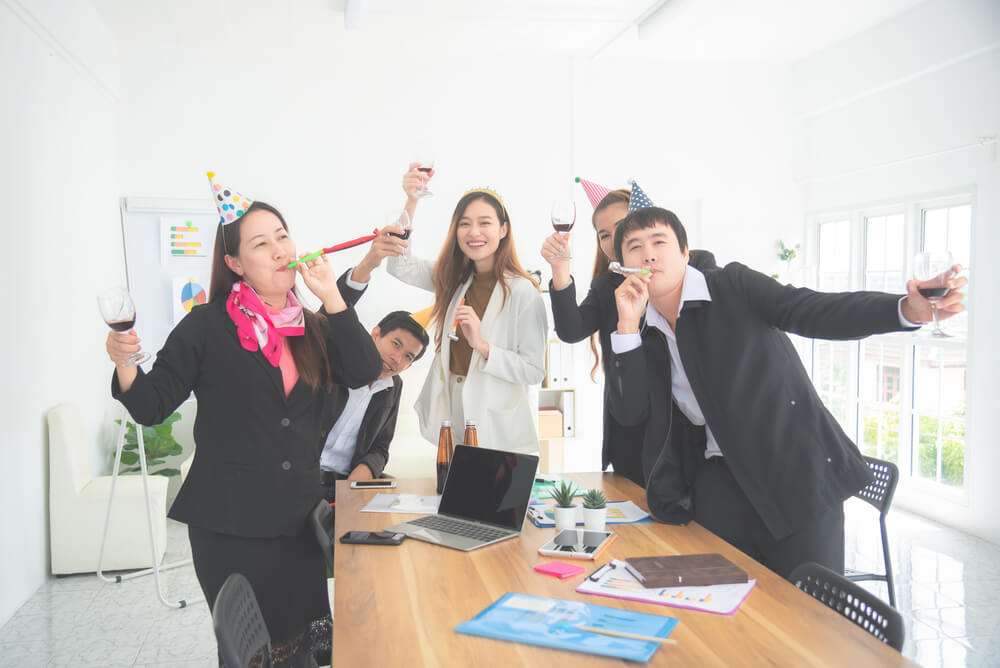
x=563 y=217
x=933 y=270
x=118 y=311
x=400 y=219
x=425 y=165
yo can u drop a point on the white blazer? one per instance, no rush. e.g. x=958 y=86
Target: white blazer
x=496 y=391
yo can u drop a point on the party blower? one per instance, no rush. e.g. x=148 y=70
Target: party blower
x=619 y=269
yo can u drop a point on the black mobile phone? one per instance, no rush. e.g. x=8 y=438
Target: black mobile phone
x=373 y=537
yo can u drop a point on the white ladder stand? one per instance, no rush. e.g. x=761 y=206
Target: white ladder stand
x=156 y=569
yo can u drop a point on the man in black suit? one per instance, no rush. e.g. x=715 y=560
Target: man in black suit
x=736 y=436
x=357 y=446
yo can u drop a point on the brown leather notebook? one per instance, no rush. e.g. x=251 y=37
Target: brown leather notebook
x=685 y=570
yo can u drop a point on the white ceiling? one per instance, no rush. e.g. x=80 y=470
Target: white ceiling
x=676 y=30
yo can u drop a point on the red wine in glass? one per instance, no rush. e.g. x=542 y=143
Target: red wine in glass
x=424 y=166
x=563 y=216
x=118 y=311
x=933 y=270
x=398 y=218
x=933 y=293
x=122 y=325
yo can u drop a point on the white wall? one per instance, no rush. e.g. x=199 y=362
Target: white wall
x=58 y=186
x=323 y=124
x=897 y=112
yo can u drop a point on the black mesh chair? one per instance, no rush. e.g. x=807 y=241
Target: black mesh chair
x=879 y=494
x=322 y=522
x=851 y=600
x=239 y=624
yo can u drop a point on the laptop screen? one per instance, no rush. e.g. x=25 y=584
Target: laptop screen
x=489 y=486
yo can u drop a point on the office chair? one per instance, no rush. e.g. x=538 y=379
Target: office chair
x=239 y=624
x=322 y=522
x=851 y=600
x=879 y=494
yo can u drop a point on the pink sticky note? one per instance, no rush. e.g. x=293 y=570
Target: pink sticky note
x=560 y=569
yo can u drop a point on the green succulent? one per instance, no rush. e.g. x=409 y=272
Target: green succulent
x=563 y=494
x=594 y=499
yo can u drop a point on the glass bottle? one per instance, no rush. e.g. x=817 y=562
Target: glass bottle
x=446 y=449
x=471 y=436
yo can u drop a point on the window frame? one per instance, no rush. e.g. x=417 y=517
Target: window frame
x=912 y=209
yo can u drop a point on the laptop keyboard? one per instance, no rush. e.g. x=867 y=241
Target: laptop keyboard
x=459 y=528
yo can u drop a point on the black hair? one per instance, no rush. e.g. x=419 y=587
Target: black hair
x=647 y=217
x=403 y=320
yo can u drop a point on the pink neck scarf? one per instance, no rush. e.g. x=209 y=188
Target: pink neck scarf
x=256 y=328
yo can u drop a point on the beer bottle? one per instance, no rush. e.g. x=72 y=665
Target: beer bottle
x=471 y=436
x=446 y=449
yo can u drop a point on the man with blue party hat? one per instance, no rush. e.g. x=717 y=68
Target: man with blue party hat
x=736 y=436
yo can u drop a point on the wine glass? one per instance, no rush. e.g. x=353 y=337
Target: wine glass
x=118 y=310
x=563 y=217
x=933 y=270
x=425 y=164
x=401 y=219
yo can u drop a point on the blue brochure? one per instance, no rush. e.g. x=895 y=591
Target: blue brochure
x=554 y=623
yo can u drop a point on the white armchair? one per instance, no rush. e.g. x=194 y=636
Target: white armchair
x=78 y=502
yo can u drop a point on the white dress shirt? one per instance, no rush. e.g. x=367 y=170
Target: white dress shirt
x=694 y=288
x=343 y=438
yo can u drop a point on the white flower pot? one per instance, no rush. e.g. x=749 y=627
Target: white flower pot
x=594 y=519
x=565 y=518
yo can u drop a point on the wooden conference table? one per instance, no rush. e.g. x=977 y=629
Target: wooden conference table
x=398 y=606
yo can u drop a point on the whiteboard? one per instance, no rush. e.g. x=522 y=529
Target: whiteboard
x=150 y=266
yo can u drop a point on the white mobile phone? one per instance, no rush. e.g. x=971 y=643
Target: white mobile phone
x=577 y=544
x=370 y=484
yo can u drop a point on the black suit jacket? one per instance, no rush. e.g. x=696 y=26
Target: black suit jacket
x=379 y=423
x=256 y=465
x=786 y=451
x=377 y=426
x=598 y=313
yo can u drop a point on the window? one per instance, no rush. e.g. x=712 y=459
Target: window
x=900 y=395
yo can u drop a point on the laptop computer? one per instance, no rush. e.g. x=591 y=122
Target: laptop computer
x=485 y=500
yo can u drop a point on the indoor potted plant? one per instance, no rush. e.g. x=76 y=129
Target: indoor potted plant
x=565 y=510
x=595 y=510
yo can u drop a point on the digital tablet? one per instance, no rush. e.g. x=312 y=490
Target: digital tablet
x=577 y=544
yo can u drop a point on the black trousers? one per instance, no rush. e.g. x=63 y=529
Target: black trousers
x=287 y=573
x=721 y=507
x=328 y=480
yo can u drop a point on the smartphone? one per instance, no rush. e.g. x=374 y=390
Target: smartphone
x=373 y=484
x=577 y=544
x=373 y=537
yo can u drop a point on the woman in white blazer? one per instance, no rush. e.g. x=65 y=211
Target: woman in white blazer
x=498 y=315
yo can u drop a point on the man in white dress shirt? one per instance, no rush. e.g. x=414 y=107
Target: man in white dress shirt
x=357 y=446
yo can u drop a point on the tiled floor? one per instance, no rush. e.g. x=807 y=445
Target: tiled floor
x=947 y=585
x=948 y=590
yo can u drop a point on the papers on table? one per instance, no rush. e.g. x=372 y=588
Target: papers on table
x=619 y=512
x=417 y=504
x=615 y=581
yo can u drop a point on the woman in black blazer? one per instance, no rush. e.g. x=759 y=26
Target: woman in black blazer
x=262 y=368
x=622 y=444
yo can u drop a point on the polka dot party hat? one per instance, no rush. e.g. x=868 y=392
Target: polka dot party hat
x=231 y=204
x=639 y=199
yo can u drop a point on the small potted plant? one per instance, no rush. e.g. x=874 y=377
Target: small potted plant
x=565 y=510
x=595 y=510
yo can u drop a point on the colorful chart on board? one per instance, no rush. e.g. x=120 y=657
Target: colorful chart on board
x=192 y=295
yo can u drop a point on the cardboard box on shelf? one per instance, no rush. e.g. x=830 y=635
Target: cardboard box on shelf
x=550 y=423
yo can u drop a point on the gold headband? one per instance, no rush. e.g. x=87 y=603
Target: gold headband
x=485 y=190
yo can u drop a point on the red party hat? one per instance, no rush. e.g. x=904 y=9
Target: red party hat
x=595 y=192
